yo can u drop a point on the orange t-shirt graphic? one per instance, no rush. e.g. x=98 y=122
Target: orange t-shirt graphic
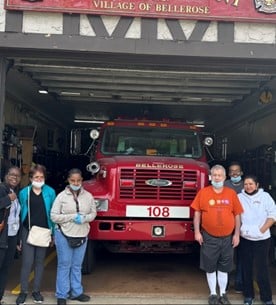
x=218 y=210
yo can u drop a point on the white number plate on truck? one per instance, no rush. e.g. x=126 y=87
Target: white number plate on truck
x=157 y=211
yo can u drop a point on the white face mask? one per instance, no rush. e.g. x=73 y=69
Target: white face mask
x=38 y=184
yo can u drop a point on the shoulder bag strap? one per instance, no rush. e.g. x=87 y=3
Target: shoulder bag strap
x=76 y=200
x=77 y=208
x=29 y=210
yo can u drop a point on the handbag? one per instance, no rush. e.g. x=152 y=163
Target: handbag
x=37 y=236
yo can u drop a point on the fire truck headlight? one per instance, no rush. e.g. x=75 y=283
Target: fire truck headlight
x=101 y=205
x=158 y=231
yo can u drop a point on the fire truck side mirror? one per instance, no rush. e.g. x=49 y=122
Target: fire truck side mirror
x=93 y=167
x=208 y=141
x=75 y=142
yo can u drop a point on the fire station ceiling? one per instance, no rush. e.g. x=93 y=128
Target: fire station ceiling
x=106 y=86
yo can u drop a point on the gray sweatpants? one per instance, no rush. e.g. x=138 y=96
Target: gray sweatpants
x=32 y=256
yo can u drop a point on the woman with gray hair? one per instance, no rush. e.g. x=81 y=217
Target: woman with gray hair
x=36 y=201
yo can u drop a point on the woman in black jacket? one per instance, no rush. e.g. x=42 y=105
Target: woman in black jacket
x=9 y=223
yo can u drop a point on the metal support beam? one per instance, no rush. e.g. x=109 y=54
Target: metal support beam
x=3 y=71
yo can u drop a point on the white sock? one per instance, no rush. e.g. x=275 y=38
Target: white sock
x=222 y=281
x=212 y=282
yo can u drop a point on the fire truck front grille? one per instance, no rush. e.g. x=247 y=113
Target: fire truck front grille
x=175 y=191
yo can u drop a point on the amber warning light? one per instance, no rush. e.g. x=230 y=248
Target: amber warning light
x=127 y=183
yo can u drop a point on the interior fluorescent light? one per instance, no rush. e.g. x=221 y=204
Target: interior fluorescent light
x=42 y=91
x=68 y=93
x=89 y=121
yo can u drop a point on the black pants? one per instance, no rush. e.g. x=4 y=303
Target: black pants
x=8 y=257
x=255 y=255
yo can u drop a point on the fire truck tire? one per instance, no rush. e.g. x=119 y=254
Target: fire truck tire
x=89 y=261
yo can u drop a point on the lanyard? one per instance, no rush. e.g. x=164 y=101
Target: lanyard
x=76 y=200
x=14 y=205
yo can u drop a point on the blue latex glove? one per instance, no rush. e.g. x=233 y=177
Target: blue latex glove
x=79 y=219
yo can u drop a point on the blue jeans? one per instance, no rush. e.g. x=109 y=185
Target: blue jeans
x=69 y=263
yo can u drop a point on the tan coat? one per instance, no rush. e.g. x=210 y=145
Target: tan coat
x=64 y=210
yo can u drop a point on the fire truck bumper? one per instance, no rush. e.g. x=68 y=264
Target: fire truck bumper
x=142 y=230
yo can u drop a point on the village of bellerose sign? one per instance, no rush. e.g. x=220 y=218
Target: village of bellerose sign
x=226 y=10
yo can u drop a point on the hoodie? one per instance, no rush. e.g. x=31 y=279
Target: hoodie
x=257 y=208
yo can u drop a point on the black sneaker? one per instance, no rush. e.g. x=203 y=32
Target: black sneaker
x=224 y=300
x=213 y=299
x=248 y=301
x=61 y=301
x=82 y=298
x=37 y=297
x=21 y=298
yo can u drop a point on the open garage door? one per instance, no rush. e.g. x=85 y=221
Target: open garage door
x=220 y=94
x=104 y=87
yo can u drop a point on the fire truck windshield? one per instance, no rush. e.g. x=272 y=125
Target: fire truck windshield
x=148 y=141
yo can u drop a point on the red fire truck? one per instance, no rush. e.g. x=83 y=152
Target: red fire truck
x=145 y=176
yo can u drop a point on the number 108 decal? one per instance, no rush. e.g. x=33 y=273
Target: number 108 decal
x=158 y=211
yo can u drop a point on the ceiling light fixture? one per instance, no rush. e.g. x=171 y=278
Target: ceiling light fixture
x=43 y=91
x=197 y=123
x=68 y=93
x=89 y=121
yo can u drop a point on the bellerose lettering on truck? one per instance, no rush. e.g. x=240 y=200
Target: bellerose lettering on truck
x=159 y=165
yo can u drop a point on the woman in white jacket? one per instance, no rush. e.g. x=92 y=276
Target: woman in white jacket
x=258 y=216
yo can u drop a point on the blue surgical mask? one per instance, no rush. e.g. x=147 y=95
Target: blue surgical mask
x=75 y=187
x=235 y=179
x=217 y=185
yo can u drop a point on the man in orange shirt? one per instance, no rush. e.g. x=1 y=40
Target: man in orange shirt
x=217 y=230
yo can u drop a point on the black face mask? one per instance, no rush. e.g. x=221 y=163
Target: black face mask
x=253 y=193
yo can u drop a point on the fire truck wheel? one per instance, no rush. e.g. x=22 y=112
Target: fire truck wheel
x=89 y=261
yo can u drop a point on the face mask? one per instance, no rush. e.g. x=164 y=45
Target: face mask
x=235 y=179
x=38 y=184
x=75 y=187
x=217 y=185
